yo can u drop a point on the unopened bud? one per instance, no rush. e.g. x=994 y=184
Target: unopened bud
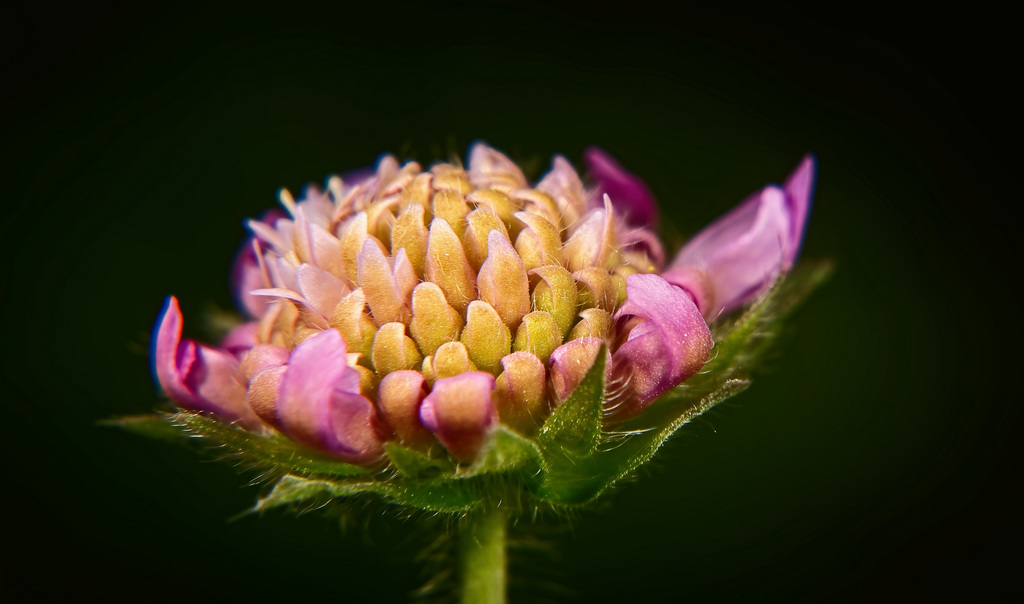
x=449 y=178
x=486 y=337
x=490 y=168
x=538 y=334
x=502 y=281
x=356 y=327
x=499 y=203
x=570 y=363
x=480 y=223
x=410 y=234
x=353 y=235
x=595 y=288
x=450 y=360
x=594 y=323
x=418 y=193
x=556 y=294
x=380 y=287
x=460 y=412
x=520 y=393
x=434 y=322
x=538 y=242
x=447 y=266
x=263 y=393
x=398 y=398
x=393 y=350
x=452 y=208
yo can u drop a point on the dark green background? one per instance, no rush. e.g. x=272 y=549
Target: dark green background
x=874 y=459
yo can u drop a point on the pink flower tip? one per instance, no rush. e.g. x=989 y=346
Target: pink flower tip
x=628 y=192
x=197 y=377
x=735 y=258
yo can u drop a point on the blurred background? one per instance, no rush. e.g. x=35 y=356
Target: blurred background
x=874 y=457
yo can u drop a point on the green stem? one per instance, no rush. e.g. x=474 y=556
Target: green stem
x=482 y=564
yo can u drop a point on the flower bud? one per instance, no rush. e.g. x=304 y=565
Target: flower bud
x=594 y=323
x=383 y=292
x=520 y=394
x=410 y=234
x=538 y=242
x=556 y=294
x=481 y=222
x=502 y=281
x=451 y=207
x=486 y=337
x=596 y=289
x=393 y=350
x=447 y=177
x=564 y=186
x=350 y=319
x=498 y=203
x=417 y=194
x=460 y=413
x=433 y=321
x=450 y=360
x=570 y=363
x=538 y=334
x=491 y=169
x=399 y=397
x=446 y=265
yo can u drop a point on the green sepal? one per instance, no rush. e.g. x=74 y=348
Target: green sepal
x=441 y=496
x=415 y=464
x=159 y=426
x=274 y=452
x=574 y=428
x=506 y=453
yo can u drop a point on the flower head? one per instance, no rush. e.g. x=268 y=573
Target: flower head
x=429 y=307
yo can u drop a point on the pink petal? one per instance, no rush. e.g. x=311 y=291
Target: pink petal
x=320 y=404
x=630 y=194
x=743 y=251
x=671 y=345
x=247 y=275
x=799 y=187
x=240 y=339
x=196 y=377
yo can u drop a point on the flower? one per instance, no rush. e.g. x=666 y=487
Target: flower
x=430 y=307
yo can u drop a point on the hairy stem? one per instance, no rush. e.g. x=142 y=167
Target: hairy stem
x=482 y=564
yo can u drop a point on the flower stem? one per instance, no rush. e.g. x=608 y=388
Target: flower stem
x=482 y=564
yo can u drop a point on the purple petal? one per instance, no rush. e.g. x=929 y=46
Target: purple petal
x=460 y=412
x=240 y=339
x=799 y=187
x=246 y=276
x=743 y=251
x=630 y=194
x=320 y=404
x=196 y=377
x=671 y=345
